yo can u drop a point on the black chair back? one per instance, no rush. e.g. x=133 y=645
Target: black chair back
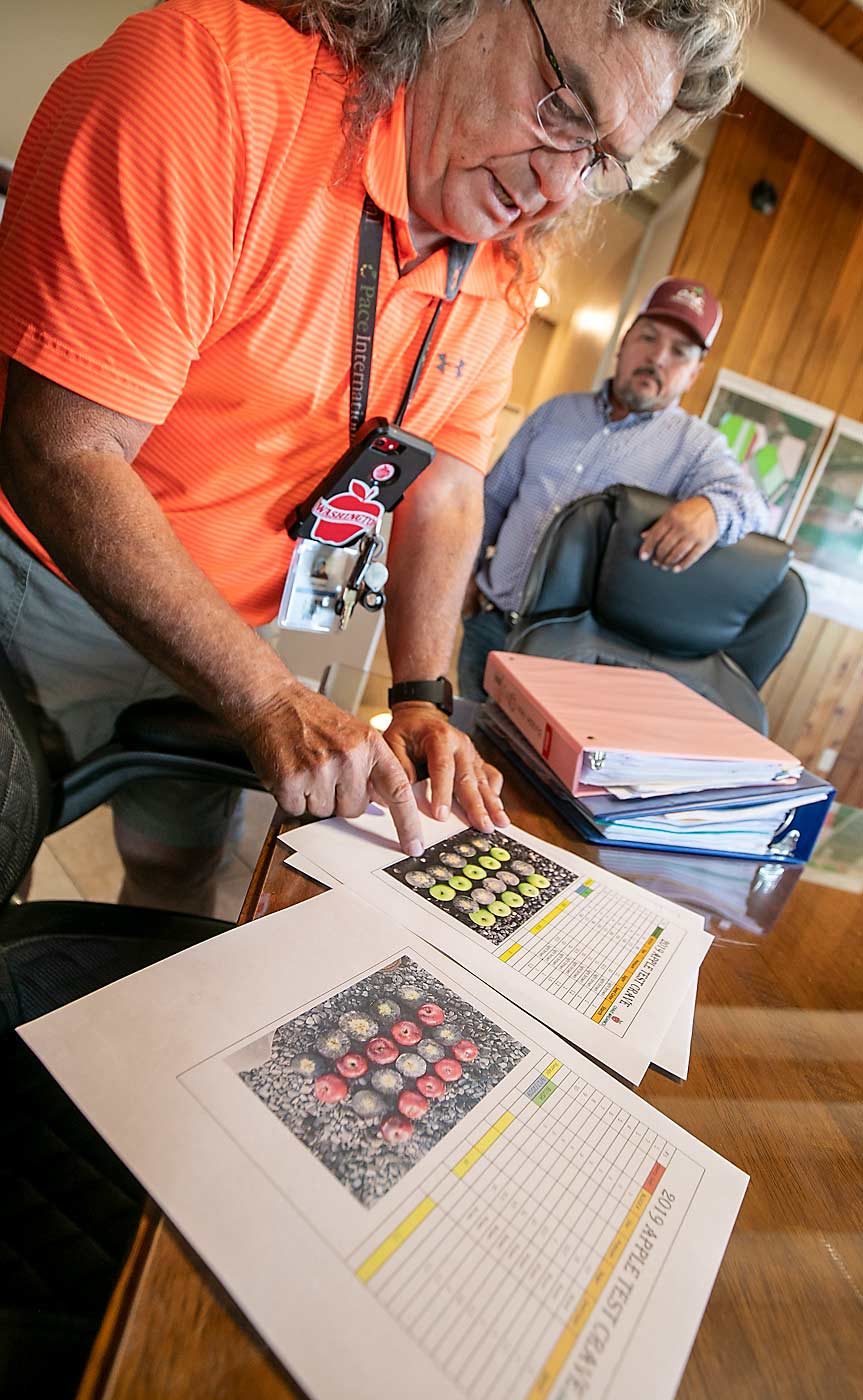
x=722 y=627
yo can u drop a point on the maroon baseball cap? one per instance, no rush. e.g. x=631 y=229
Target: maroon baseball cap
x=690 y=303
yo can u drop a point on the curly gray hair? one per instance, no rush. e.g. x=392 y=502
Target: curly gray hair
x=381 y=43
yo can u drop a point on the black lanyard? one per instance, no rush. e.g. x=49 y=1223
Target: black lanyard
x=365 y=307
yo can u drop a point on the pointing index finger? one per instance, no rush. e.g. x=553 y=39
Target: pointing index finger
x=390 y=784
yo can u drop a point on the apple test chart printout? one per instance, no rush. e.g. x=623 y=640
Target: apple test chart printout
x=395 y=1171
x=601 y=962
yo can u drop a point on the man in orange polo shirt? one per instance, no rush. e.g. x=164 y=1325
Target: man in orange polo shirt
x=177 y=266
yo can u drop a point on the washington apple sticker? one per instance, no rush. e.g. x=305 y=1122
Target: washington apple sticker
x=348 y=516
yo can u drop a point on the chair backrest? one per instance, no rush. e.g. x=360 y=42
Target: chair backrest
x=25 y=785
x=740 y=600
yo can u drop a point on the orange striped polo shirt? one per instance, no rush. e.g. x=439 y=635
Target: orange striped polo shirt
x=180 y=245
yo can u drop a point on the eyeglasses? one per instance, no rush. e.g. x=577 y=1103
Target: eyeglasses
x=563 y=120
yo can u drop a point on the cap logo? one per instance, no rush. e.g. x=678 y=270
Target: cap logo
x=693 y=297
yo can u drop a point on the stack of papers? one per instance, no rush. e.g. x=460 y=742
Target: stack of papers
x=604 y=964
x=754 y=829
x=750 y=894
x=503 y=1221
x=751 y=821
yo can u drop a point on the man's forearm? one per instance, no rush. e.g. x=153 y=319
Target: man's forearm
x=104 y=530
x=432 y=551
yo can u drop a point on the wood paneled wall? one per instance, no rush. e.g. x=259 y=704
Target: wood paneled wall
x=791 y=284
x=841 y=20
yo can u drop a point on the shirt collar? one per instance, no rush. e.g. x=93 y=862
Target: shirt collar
x=385 y=179
x=385 y=163
x=603 y=399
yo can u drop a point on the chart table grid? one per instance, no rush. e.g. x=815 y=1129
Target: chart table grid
x=585 y=954
x=505 y=1252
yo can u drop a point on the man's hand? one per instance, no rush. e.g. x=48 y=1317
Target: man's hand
x=681 y=535
x=421 y=734
x=313 y=757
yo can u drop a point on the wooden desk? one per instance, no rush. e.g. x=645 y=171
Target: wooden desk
x=775 y=1084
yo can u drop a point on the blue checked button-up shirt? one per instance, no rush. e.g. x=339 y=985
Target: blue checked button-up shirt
x=570 y=447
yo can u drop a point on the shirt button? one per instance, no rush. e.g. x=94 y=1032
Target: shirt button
x=606 y=431
x=579 y=467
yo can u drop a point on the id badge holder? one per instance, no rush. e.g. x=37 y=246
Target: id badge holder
x=314 y=585
x=336 y=564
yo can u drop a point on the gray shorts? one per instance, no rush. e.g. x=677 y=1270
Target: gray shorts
x=80 y=675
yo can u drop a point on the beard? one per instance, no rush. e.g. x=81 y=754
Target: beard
x=638 y=400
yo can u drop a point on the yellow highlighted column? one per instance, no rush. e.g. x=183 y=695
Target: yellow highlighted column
x=608 y=1001
x=470 y=1159
x=510 y=952
x=575 y=1324
x=402 y=1232
x=552 y=914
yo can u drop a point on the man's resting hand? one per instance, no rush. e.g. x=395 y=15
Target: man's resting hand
x=420 y=734
x=681 y=535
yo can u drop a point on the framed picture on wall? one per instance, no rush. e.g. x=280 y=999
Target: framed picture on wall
x=828 y=529
x=775 y=436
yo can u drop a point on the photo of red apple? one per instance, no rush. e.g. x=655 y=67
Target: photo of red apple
x=382 y=1050
x=352 y=1065
x=396 y=1129
x=406 y=1033
x=412 y=1104
x=465 y=1052
x=448 y=1070
x=430 y=1086
x=431 y=1015
x=330 y=1088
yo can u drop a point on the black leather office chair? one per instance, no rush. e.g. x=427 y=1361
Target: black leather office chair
x=68 y=1207
x=721 y=627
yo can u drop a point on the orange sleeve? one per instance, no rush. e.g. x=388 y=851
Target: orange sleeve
x=469 y=432
x=117 y=246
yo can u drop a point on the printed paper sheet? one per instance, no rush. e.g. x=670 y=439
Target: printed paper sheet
x=486 y=1215
x=600 y=961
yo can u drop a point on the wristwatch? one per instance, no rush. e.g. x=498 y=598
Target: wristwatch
x=437 y=692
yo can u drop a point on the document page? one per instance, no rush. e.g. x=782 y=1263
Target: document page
x=671 y=1056
x=403 y=1180
x=601 y=962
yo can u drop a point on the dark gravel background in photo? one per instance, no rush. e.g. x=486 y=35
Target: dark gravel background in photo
x=321 y=1050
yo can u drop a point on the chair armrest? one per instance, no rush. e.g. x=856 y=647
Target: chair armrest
x=154 y=739
x=178 y=726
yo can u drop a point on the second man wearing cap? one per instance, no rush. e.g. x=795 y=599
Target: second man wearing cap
x=631 y=431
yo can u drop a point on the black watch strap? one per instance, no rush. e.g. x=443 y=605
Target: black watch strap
x=437 y=692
